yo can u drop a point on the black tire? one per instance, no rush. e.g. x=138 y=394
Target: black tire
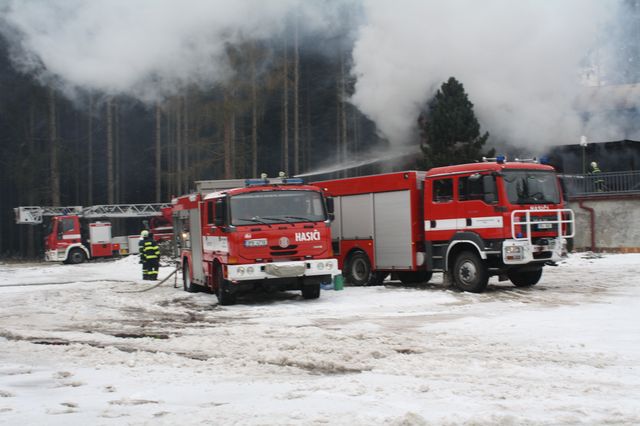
x=76 y=256
x=378 y=278
x=358 y=269
x=416 y=277
x=470 y=273
x=524 y=278
x=225 y=296
x=187 y=284
x=311 y=291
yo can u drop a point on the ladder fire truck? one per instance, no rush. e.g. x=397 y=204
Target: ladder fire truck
x=469 y=221
x=74 y=234
x=240 y=235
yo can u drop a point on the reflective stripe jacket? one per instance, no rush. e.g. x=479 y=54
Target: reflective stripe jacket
x=149 y=250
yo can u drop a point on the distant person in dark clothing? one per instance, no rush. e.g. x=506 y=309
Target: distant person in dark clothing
x=149 y=256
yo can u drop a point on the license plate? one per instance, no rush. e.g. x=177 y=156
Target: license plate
x=544 y=226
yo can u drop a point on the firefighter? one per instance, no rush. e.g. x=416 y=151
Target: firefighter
x=149 y=256
x=598 y=182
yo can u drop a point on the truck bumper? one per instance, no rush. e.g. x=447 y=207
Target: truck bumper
x=520 y=252
x=303 y=268
x=55 y=256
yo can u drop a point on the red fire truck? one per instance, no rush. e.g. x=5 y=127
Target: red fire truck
x=468 y=221
x=240 y=235
x=74 y=234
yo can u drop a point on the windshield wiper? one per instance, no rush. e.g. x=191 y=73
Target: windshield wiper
x=251 y=219
x=279 y=219
x=303 y=218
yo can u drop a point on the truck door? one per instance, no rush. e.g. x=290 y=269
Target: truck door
x=440 y=214
x=477 y=202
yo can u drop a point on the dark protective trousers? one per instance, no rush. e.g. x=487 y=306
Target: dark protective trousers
x=150 y=269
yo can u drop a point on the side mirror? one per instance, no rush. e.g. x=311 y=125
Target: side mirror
x=219 y=221
x=332 y=217
x=330 y=206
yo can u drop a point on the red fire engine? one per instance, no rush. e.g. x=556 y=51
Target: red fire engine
x=236 y=235
x=73 y=234
x=468 y=221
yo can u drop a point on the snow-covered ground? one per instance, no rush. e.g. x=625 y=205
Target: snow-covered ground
x=85 y=346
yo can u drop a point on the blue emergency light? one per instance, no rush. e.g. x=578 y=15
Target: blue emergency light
x=255 y=182
x=293 y=181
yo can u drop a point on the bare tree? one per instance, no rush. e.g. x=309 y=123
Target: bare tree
x=296 y=103
x=90 y=153
x=158 y=153
x=254 y=113
x=53 y=141
x=285 y=109
x=110 y=178
x=178 y=129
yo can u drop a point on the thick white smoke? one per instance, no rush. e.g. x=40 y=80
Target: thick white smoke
x=144 y=48
x=518 y=60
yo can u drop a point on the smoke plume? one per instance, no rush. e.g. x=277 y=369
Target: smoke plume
x=519 y=61
x=144 y=48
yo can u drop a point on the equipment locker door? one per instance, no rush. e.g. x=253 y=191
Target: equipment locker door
x=196 y=245
x=392 y=221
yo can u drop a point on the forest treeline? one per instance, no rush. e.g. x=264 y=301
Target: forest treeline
x=284 y=108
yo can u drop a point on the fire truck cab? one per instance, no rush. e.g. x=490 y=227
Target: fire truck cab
x=262 y=234
x=73 y=234
x=469 y=221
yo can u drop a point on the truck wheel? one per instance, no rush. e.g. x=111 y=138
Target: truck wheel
x=76 y=256
x=225 y=297
x=188 y=285
x=470 y=273
x=378 y=278
x=311 y=291
x=416 y=277
x=524 y=278
x=358 y=269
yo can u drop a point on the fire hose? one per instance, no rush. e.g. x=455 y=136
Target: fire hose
x=155 y=285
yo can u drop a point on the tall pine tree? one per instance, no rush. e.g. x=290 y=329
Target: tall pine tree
x=449 y=129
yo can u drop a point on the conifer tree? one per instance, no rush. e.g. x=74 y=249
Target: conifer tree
x=449 y=129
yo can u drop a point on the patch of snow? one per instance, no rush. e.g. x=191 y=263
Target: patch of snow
x=92 y=349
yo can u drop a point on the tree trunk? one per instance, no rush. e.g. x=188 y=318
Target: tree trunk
x=228 y=136
x=158 y=152
x=53 y=140
x=76 y=158
x=296 y=105
x=178 y=180
x=169 y=149
x=285 y=111
x=31 y=197
x=254 y=117
x=117 y=152
x=110 y=179
x=185 y=146
x=343 y=113
x=90 y=153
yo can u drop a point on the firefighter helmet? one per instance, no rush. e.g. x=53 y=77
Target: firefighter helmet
x=144 y=233
x=594 y=164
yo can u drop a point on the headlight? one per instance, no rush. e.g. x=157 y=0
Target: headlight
x=240 y=270
x=320 y=266
x=329 y=265
x=259 y=242
x=513 y=249
x=250 y=270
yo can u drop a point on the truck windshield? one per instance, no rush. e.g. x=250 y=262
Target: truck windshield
x=277 y=207
x=531 y=187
